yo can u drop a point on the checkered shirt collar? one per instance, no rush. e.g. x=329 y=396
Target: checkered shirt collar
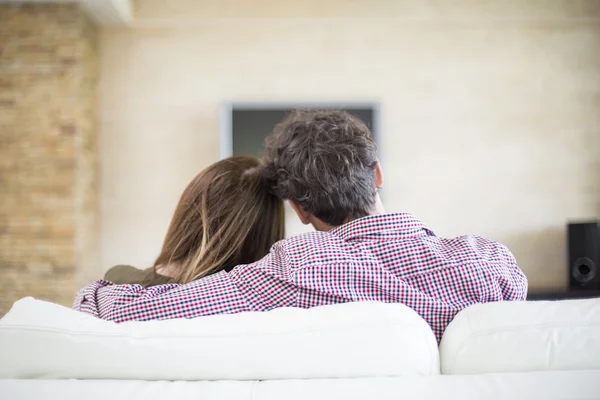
x=396 y=224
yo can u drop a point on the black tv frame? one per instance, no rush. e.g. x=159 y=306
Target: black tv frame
x=227 y=109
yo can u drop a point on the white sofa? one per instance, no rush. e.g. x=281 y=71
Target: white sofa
x=511 y=350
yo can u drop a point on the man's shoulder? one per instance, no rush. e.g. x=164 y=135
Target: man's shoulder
x=310 y=247
x=322 y=248
x=476 y=248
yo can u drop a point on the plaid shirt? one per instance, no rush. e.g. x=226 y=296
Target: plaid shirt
x=391 y=258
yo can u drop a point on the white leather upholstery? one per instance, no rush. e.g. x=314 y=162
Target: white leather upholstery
x=71 y=389
x=519 y=350
x=523 y=336
x=44 y=340
x=547 y=385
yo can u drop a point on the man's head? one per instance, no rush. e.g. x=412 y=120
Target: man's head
x=325 y=164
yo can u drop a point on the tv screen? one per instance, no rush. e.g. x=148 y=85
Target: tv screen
x=250 y=125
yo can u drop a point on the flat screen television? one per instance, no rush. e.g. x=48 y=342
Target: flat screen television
x=245 y=125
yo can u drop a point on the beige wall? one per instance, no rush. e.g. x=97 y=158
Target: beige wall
x=48 y=159
x=490 y=111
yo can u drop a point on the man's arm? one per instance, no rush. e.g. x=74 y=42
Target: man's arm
x=515 y=284
x=254 y=287
x=107 y=300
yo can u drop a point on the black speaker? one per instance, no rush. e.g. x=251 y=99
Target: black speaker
x=584 y=256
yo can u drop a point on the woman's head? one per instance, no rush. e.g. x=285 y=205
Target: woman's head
x=226 y=217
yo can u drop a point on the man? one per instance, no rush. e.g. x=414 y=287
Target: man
x=325 y=164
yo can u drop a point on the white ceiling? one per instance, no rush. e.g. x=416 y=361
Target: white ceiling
x=102 y=12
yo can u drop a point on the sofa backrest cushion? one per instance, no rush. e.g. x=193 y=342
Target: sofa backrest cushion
x=44 y=340
x=523 y=336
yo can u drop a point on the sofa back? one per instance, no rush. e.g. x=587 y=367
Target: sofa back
x=523 y=336
x=44 y=340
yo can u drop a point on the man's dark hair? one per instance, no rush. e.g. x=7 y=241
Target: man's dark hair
x=324 y=161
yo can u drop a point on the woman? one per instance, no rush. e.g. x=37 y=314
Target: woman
x=226 y=217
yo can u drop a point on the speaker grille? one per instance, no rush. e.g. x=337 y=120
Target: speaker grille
x=584 y=270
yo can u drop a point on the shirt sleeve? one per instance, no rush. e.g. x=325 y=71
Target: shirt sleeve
x=495 y=278
x=219 y=293
x=107 y=300
x=514 y=285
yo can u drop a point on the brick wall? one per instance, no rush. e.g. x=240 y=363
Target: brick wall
x=48 y=162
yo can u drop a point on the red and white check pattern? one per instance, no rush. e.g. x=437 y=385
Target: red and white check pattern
x=391 y=258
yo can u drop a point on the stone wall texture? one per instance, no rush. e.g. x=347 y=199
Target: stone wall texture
x=48 y=159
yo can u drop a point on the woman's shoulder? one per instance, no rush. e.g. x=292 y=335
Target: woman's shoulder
x=127 y=274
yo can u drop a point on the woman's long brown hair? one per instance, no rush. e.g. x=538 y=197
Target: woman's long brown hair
x=226 y=217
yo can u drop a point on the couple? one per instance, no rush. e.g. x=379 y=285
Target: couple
x=225 y=250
